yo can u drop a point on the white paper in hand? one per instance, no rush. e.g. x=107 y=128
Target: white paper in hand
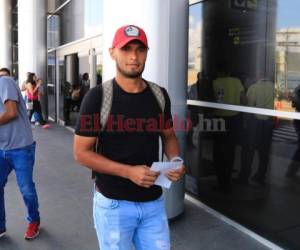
x=163 y=167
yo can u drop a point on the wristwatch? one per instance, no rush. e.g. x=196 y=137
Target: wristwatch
x=176 y=158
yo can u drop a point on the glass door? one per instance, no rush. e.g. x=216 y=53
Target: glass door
x=51 y=85
x=60 y=88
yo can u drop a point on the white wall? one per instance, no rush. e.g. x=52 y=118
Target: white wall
x=5 y=38
x=32 y=38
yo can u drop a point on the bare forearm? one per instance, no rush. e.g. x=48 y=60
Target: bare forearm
x=171 y=147
x=32 y=90
x=102 y=164
x=6 y=117
x=36 y=88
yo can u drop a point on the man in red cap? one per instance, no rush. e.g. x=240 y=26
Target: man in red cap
x=128 y=206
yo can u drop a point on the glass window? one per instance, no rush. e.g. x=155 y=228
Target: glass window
x=75 y=20
x=93 y=17
x=72 y=21
x=71 y=89
x=51 y=85
x=247 y=167
x=194 y=55
x=53 y=31
x=287 y=53
x=234 y=46
x=64 y=87
x=249 y=56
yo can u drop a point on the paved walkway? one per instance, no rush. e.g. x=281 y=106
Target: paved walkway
x=65 y=195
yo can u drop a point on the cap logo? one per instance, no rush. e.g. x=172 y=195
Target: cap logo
x=132 y=31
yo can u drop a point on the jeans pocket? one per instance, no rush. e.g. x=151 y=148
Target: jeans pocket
x=105 y=202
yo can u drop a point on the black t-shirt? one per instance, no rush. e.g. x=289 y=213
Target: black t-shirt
x=131 y=136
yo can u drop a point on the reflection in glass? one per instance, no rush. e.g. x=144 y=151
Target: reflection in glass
x=99 y=66
x=288 y=65
x=93 y=17
x=227 y=90
x=295 y=164
x=53 y=31
x=51 y=85
x=262 y=162
x=61 y=75
x=240 y=57
x=72 y=89
x=72 y=26
x=195 y=33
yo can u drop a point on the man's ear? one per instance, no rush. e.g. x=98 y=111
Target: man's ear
x=112 y=53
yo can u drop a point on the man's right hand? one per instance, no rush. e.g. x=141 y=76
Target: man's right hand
x=142 y=175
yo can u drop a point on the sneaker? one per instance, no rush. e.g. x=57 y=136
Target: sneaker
x=32 y=231
x=2 y=232
x=37 y=123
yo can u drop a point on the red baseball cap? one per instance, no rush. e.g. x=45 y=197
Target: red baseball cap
x=129 y=33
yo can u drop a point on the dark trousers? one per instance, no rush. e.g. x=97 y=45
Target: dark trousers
x=38 y=109
x=258 y=136
x=224 y=151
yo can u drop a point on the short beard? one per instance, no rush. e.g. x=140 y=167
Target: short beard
x=131 y=75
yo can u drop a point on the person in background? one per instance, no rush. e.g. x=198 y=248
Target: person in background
x=76 y=96
x=17 y=152
x=36 y=115
x=4 y=72
x=99 y=79
x=258 y=136
x=227 y=90
x=85 y=83
x=32 y=89
x=193 y=89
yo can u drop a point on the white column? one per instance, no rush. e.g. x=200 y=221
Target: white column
x=5 y=38
x=166 y=25
x=32 y=38
x=93 y=68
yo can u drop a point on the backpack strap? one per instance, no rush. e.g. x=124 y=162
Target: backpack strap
x=159 y=95
x=107 y=96
x=106 y=102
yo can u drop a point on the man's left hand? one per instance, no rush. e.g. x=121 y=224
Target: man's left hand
x=176 y=174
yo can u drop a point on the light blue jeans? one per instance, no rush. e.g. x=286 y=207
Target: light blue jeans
x=20 y=160
x=121 y=224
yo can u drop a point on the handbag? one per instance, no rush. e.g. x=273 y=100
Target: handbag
x=29 y=105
